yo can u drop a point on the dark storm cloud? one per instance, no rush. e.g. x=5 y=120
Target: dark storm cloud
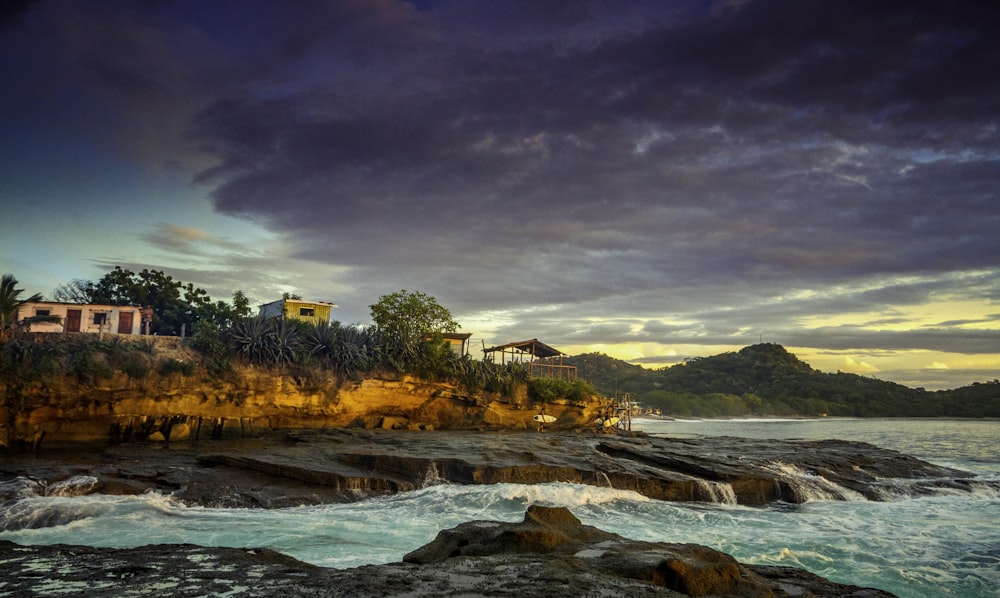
x=11 y=11
x=705 y=140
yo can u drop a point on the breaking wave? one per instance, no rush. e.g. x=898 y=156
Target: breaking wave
x=811 y=486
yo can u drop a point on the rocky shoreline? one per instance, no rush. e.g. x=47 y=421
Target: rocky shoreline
x=345 y=465
x=551 y=554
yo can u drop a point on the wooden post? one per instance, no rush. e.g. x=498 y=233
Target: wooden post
x=147 y=319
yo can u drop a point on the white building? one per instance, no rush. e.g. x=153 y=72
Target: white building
x=79 y=317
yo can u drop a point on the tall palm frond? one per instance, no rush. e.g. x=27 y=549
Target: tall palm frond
x=10 y=304
x=10 y=300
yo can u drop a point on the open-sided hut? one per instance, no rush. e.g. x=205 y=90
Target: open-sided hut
x=542 y=361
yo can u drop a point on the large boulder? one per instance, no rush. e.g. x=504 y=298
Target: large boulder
x=554 y=537
x=544 y=529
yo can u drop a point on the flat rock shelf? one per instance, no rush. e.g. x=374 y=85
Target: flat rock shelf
x=319 y=466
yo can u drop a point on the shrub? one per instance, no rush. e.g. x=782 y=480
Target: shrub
x=546 y=390
x=250 y=338
x=319 y=341
x=129 y=357
x=210 y=341
x=175 y=366
x=284 y=342
x=355 y=350
x=88 y=362
x=135 y=364
x=434 y=360
x=25 y=357
x=503 y=378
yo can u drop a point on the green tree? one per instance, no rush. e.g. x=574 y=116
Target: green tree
x=11 y=302
x=403 y=321
x=241 y=304
x=223 y=314
x=405 y=316
x=176 y=306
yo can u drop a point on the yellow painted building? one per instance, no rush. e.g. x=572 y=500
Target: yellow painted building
x=298 y=309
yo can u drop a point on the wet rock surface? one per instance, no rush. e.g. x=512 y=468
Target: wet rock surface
x=549 y=553
x=312 y=467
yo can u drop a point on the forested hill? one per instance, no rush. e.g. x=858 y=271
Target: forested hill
x=766 y=379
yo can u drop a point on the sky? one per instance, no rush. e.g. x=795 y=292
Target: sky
x=651 y=180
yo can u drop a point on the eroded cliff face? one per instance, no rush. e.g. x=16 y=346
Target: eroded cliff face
x=244 y=402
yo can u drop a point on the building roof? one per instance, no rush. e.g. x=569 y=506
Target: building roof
x=301 y=301
x=533 y=347
x=458 y=336
x=79 y=304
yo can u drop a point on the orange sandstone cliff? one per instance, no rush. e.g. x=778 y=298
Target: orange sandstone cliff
x=247 y=401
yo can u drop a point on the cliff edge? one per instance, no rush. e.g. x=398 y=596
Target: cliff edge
x=177 y=399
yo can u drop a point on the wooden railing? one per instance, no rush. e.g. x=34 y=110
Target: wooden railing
x=543 y=369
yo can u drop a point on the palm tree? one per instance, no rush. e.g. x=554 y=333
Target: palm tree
x=10 y=303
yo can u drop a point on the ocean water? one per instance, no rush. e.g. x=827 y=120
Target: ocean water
x=942 y=545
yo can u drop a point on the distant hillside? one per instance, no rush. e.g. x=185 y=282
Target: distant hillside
x=766 y=379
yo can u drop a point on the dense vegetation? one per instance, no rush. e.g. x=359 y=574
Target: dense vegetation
x=352 y=352
x=301 y=349
x=766 y=379
x=406 y=338
x=87 y=358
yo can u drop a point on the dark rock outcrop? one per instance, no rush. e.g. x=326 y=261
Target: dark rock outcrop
x=550 y=553
x=345 y=465
x=555 y=533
